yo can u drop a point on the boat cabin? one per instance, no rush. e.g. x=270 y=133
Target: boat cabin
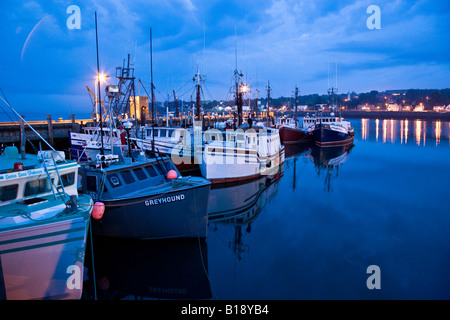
x=118 y=181
x=29 y=180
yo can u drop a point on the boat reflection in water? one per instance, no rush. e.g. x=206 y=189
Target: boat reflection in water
x=150 y=269
x=238 y=205
x=328 y=160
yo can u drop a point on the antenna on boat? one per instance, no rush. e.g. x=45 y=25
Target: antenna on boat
x=204 y=47
x=98 y=84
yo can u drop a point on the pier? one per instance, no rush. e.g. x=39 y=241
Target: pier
x=49 y=129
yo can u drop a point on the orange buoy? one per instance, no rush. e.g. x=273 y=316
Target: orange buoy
x=98 y=210
x=172 y=174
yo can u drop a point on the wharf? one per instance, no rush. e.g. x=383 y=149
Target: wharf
x=10 y=132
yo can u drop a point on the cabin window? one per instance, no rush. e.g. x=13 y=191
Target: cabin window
x=91 y=183
x=114 y=180
x=151 y=171
x=140 y=174
x=8 y=193
x=68 y=179
x=37 y=186
x=162 y=132
x=149 y=133
x=127 y=176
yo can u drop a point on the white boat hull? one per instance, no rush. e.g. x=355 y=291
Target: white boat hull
x=44 y=260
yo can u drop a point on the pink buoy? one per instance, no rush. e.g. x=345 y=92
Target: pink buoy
x=98 y=210
x=172 y=174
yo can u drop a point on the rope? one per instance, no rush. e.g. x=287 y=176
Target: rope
x=93 y=264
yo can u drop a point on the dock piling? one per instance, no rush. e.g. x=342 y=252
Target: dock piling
x=50 y=129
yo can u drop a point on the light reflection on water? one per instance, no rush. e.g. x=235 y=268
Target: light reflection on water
x=399 y=131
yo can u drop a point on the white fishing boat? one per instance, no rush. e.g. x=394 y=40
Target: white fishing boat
x=175 y=142
x=84 y=146
x=43 y=226
x=242 y=154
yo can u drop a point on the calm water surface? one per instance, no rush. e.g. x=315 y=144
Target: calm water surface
x=311 y=231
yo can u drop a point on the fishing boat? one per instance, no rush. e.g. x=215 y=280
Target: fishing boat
x=291 y=131
x=242 y=154
x=86 y=145
x=43 y=226
x=175 y=142
x=145 y=197
x=332 y=130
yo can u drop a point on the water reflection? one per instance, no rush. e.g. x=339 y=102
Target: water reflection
x=437 y=132
x=237 y=206
x=395 y=131
x=146 y=269
x=327 y=161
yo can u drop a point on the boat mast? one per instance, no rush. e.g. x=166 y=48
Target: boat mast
x=198 y=98
x=268 y=100
x=237 y=79
x=256 y=105
x=98 y=84
x=153 y=95
x=176 y=104
x=296 y=105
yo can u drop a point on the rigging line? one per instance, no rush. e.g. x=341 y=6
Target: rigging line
x=28 y=124
x=4 y=95
x=209 y=93
x=190 y=89
x=16 y=122
x=183 y=86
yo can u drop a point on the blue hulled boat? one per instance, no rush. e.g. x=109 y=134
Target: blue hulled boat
x=145 y=197
x=331 y=130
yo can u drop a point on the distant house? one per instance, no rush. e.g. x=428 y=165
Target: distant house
x=438 y=108
x=407 y=108
x=365 y=107
x=447 y=108
x=393 y=107
x=419 y=108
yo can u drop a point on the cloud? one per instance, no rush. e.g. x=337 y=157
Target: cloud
x=188 y=5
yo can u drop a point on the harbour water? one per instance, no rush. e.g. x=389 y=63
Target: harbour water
x=309 y=232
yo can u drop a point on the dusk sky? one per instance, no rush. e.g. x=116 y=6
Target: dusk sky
x=45 y=66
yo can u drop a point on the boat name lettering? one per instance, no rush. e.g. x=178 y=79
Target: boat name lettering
x=21 y=174
x=164 y=200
